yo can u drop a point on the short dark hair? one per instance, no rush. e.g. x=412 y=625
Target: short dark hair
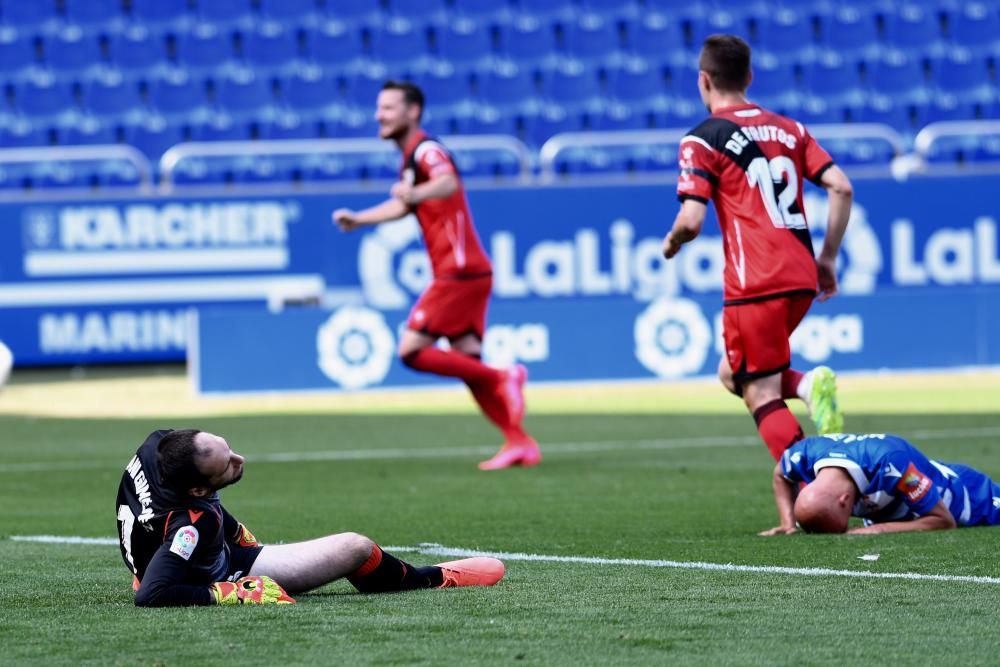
x=411 y=92
x=177 y=459
x=726 y=59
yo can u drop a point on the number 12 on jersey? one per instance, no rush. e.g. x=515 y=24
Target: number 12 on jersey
x=763 y=174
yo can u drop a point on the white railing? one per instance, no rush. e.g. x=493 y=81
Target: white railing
x=926 y=137
x=290 y=147
x=94 y=153
x=560 y=143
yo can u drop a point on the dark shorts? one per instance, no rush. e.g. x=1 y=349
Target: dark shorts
x=241 y=559
x=756 y=334
x=452 y=307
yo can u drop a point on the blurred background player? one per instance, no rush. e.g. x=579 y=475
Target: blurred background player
x=882 y=478
x=185 y=549
x=751 y=163
x=454 y=305
x=6 y=363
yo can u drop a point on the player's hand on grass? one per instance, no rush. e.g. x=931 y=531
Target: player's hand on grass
x=827 y=269
x=779 y=530
x=346 y=219
x=250 y=590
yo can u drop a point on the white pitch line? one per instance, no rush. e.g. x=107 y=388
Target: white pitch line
x=431 y=549
x=411 y=453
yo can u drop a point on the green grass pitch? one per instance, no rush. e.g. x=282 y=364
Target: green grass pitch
x=645 y=478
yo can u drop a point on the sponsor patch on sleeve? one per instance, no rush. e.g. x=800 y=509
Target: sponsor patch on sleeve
x=185 y=541
x=914 y=484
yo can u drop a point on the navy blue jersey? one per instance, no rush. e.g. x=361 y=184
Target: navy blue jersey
x=897 y=482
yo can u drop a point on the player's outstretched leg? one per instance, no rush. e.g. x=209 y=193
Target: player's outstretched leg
x=821 y=389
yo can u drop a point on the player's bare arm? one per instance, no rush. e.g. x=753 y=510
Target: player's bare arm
x=939 y=518
x=840 y=195
x=387 y=211
x=439 y=187
x=784 y=498
x=687 y=226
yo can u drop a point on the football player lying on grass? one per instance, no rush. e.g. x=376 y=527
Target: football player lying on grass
x=184 y=548
x=881 y=478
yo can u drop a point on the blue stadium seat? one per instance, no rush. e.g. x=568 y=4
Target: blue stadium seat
x=16 y=51
x=309 y=88
x=227 y=13
x=681 y=113
x=718 y=21
x=785 y=32
x=400 y=44
x=106 y=15
x=87 y=129
x=914 y=27
x=176 y=91
x=528 y=40
x=444 y=86
x=205 y=47
x=676 y=8
x=116 y=173
x=161 y=13
x=899 y=74
x=219 y=125
x=612 y=9
x=43 y=95
x=816 y=110
x=354 y=13
x=353 y=122
x=465 y=41
x=55 y=174
x=549 y=120
x=547 y=10
x=264 y=168
x=110 y=94
x=137 y=49
x=71 y=50
x=976 y=26
x=773 y=80
x=656 y=37
x=19 y=131
x=946 y=106
x=362 y=89
x=852 y=32
x=592 y=38
x=200 y=171
x=419 y=11
x=507 y=86
x=618 y=116
x=244 y=91
x=987 y=149
x=884 y=109
x=496 y=11
x=581 y=160
x=572 y=83
x=290 y=12
x=335 y=45
x=486 y=119
x=30 y=14
x=289 y=124
x=153 y=135
x=965 y=73
x=852 y=151
x=270 y=46
x=833 y=77
x=330 y=167
x=636 y=81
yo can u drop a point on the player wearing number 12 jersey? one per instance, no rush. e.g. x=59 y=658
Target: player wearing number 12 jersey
x=751 y=163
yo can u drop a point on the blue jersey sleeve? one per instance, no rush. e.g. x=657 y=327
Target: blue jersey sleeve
x=915 y=484
x=795 y=466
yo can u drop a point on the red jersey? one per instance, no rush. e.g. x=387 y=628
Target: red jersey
x=751 y=162
x=450 y=236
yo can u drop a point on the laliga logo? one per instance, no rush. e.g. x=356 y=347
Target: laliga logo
x=377 y=268
x=355 y=347
x=860 y=245
x=672 y=337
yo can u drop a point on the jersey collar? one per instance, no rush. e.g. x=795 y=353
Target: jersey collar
x=736 y=107
x=411 y=145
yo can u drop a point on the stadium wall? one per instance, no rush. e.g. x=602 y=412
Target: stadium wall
x=578 y=276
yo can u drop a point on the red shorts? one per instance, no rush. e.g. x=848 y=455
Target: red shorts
x=452 y=307
x=756 y=334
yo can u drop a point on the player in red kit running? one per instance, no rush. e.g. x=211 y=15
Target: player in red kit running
x=454 y=305
x=750 y=162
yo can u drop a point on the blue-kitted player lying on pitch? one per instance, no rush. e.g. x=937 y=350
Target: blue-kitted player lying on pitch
x=881 y=478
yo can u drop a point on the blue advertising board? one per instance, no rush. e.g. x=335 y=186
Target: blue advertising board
x=115 y=280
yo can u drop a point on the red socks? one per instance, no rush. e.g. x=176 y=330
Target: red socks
x=777 y=426
x=452 y=364
x=790 y=380
x=496 y=411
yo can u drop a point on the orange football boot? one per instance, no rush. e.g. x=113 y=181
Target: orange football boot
x=526 y=454
x=479 y=571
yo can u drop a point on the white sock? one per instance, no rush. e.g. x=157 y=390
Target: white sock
x=805 y=387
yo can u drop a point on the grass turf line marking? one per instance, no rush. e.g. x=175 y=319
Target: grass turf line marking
x=433 y=549
x=404 y=453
